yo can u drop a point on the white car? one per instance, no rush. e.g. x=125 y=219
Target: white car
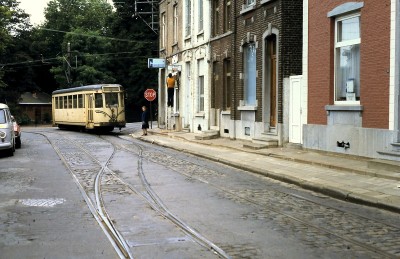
x=7 y=135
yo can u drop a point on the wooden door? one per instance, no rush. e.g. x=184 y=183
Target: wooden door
x=271 y=48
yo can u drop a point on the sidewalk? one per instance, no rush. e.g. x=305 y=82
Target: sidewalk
x=356 y=179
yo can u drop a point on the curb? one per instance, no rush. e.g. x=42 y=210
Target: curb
x=337 y=193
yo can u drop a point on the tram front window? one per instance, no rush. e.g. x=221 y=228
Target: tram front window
x=111 y=99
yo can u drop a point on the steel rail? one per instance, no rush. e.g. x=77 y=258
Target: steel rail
x=96 y=214
x=157 y=204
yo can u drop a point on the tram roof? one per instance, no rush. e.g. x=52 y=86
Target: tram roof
x=85 y=88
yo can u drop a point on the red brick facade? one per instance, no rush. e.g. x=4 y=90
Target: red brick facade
x=374 y=61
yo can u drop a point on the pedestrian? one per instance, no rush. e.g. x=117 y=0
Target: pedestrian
x=145 y=120
x=170 y=88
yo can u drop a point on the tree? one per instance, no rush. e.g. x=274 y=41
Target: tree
x=14 y=32
x=74 y=29
x=130 y=69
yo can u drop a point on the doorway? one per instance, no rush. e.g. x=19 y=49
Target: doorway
x=271 y=82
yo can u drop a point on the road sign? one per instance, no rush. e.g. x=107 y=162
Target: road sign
x=150 y=95
x=156 y=63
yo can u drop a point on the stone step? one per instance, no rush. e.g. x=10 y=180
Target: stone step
x=269 y=142
x=255 y=146
x=208 y=134
x=384 y=165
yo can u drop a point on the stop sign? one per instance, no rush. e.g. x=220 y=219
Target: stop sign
x=150 y=95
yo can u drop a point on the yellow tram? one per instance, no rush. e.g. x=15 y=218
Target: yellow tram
x=91 y=107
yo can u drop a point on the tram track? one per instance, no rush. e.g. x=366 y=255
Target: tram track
x=98 y=207
x=369 y=246
x=249 y=196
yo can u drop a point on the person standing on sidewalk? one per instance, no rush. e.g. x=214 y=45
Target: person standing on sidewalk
x=145 y=120
x=170 y=88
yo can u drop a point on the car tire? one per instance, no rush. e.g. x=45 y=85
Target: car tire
x=18 y=142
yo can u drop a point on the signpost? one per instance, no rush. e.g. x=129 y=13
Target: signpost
x=156 y=63
x=150 y=95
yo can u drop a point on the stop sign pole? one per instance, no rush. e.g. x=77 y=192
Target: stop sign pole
x=150 y=95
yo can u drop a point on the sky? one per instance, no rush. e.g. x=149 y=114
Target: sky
x=35 y=8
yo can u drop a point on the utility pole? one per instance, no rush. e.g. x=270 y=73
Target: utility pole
x=69 y=64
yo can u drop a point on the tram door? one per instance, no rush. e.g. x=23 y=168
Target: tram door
x=89 y=111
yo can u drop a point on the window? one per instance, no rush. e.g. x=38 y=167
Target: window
x=80 y=101
x=227 y=84
x=216 y=17
x=188 y=19
x=163 y=31
x=175 y=25
x=2 y=116
x=73 y=100
x=201 y=93
x=250 y=74
x=200 y=15
x=250 y=2
x=69 y=101
x=347 y=59
x=227 y=15
x=111 y=99
x=200 y=84
x=98 y=101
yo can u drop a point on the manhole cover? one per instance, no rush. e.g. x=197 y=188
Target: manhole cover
x=42 y=202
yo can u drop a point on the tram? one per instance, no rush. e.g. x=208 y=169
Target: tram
x=98 y=107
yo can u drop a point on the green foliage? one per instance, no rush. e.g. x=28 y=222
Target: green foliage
x=14 y=31
x=106 y=46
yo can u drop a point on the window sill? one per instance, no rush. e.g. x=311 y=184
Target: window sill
x=247 y=108
x=200 y=33
x=226 y=113
x=246 y=9
x=200 y=114
x=264 y=1
x=344 y=107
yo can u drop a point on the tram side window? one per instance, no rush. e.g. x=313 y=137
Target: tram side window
x=65 y=98
x=56 y=102
x=121 y=95
x=73 y=98
x=98 y=101
x=70 y=102
x=111 y=99
x=80 y=101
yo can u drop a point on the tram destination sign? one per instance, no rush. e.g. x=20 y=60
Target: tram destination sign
x=150 y=95
x=156 y=62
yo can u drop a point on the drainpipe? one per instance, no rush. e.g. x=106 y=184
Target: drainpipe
x=234 y=30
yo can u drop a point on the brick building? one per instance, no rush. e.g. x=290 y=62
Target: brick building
x=351 y=74
x=222 y=48
x=266 y=51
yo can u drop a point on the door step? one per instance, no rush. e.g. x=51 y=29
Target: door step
x=269 y=142
x=208 y=134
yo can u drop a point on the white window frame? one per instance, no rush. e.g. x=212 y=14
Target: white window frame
x=338 y=45
x=163 y=31
x=188 y=16
x=175 y=25
x=200 y=86
x=200 y=16
x=250 y=80
x=250 y=2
